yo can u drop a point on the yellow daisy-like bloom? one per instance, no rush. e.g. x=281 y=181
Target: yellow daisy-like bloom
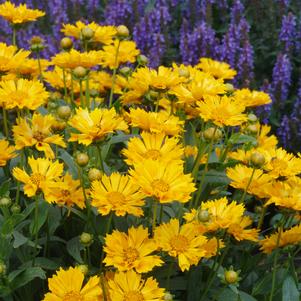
x=240 y=232
x=66 y=192
x=19 y=14
x=283 y=164
x=240 y=176
x=10 y=57
x=181 y=242
x=22 y=93
x=222 y=111
x=164 y=181
x=154 y=147
x=117 y=193
x=264 y=140
x=129 y=286
x=190 y=151
x=132 y=251
x=7 y=152
x=252 y=98
x=102 y=34
x=96 y=125
x=67 y=285
x=160 y=122
x=127 y=53
x=43 y=173
x=201 y=86
x=287 y=237
x=285 y=194
x=37 y=132
x=217 y=69
x=74 y=58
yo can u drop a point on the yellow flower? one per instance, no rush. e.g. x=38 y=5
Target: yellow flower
x=43 y=173
x=201 y=86
x=285 y=194
x=37 y=132
x=164 y=181
x=240 y=232
x=153 y=122
x=10 y=57
x=19 y=14
x=181 y=242
x=127 y=53
x=217 y=69
x=252 y=98
x=7 y=152
x=66 y=192
x=154 y=147
x=222 y=111
x=190 y=151
x=67 y=285
x=96 y=125
x=283 y=164
x=129 y=286
x=132 y=251
x=240 y=176
x=74 y=58
x=264 y=141
x=287 y=237
x=22 y=93
x=117 y=193
x=102 y=34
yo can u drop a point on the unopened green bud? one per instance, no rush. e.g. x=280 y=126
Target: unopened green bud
x=86 y=239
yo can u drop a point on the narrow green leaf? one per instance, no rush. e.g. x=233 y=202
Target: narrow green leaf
x=289 y=290
x=74 y=247
x=246 y=297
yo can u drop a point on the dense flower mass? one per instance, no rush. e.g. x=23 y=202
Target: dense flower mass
x=140 y=183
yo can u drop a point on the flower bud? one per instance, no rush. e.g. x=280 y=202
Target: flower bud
x=80 y=72
x=229 y=88
x=125 y=71
x=94 y=174
x=58 y=125
x=212 y=134
x=37 y=44
x=153 y=94
x=94 y=93
x=66 y=43
x=168 y=296
x=203 y=216
x=231 y=276
x=122 y=31
x=5 y=201
x=86 y=239
x=55 y=95
x=257 y=159
x=252 y=118
x=142 y=60
x=87 y=33
x=64 y=112
x=15 y=209
x=82 y=159
x=2 y=268
x=184 y=72
x=83 y=268
x=252 y=128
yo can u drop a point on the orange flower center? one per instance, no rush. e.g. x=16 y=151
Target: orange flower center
x=152 y=154
x=116 y=198
x=160 y=185
x=179 y=243
x=18 y=96
x=130 y=255
x=133 y=296
x=279 y=164
x=65 y=193
x=73 y=296
x=37 y=178
x=39 y=136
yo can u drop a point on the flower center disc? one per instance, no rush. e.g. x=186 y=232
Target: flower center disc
x=133 y=296
x=160 y=185
x=130 y=255
x=153 y=154
x=73 y=296
x=179 y=243
x=37 y=178
x=116 y=198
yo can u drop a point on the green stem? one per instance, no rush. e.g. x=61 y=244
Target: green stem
x=155 y=207
x=167 y=286
x=40 y=67
x=14 y=36
x=47 y=237
x=248 y=185
x=65 y=83
x=5 y=122
x=81 y=93
x=100 y=161
x=108 y=226
x=72 y=90
x=36 y=231
x=196 y=202
x=114 y=75
x=161 y=213
x=87 y=92
x=260 y=222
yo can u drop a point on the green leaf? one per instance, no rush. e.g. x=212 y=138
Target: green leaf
x=289 y=290
x=19 y=239
x=69 y=161
x=42 y=262
x=239 y=138
x=42 y=217
x=74 y=247
x=9 y=224
x=226 y=295
x=246 y=297
x=4 y=188
x=21 y=277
